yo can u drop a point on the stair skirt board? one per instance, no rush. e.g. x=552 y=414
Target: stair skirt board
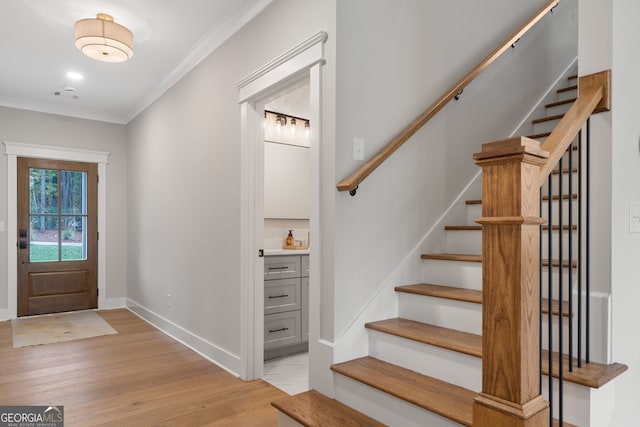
x=384 y=407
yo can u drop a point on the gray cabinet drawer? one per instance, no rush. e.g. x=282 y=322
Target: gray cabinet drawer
x=304 y=266
x=281 y=329
x=280 y=267
x=281 y=295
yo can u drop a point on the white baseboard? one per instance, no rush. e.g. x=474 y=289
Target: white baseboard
x=111 y=303
x=227 y=361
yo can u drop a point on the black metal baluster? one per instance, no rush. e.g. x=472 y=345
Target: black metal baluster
x=550 y=294
x=588 y=248
x=570 y=256
x=541 y=302
x=560 y=289
x=580 y=248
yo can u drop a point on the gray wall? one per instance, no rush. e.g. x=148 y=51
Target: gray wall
x=184 y=196
x=394 y=59
x=49 y=129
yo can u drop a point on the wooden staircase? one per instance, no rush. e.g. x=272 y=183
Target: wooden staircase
x=429 y=358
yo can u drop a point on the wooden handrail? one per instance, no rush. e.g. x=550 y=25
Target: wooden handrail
x=593 y=97
x=352 y=182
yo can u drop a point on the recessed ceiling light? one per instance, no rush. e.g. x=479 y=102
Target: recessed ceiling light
x=73 y=75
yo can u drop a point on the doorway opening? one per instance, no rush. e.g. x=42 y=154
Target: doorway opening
x=268 y=83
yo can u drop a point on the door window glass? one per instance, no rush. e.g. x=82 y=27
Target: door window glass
x=57 y=215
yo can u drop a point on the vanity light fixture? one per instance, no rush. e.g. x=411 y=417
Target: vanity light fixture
x=281 y=121
x=293 y=126
x=102 y=39
x=306 y=129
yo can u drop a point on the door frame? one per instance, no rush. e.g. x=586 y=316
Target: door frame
x=305 y=59
x=13 y=150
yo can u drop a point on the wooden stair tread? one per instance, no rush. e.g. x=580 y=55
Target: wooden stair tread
x=450 y=339
x=313 y=409
x=439 y=291
x=559 y=103
x=547 y=118
x=478 y=258
x=567 y=89
x=592 y=375
x=470 y=295
x=442 y=398
x=565 y=170
x=572 y=77
x=544 y=198
x=453 y=257
x=539 y=135
x=463 y=228
x=479 y=227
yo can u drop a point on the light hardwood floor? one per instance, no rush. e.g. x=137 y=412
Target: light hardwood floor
x=139 y=377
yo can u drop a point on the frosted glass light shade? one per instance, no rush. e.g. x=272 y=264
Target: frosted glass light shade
x=103 y=39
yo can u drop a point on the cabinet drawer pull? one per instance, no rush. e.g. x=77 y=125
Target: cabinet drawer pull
x=278 y=330
x=278 y=296
x=279 y=268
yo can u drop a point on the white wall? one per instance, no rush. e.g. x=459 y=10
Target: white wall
x=609 y=37
x=184 y=194
x=48 y=129
x=394 y=59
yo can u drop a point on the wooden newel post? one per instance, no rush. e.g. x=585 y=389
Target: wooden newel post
x=511 y=290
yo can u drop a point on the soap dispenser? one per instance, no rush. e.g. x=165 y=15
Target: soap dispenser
x=290 y=241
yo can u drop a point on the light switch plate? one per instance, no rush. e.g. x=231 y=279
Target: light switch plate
x=358 y=149
x=634 y=219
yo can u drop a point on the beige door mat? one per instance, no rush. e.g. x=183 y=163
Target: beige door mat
x=52 y=328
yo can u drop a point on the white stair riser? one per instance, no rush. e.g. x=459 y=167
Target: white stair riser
x=473 y=212
x=455 y=273
x=383 y=407
x=467 y=317
x=470 y=242
x=576 y=401
x=446 y=365
x=464 y=241
x=468 y=275
x=565 y=182
x=569 y=94
x=558 y=109
x=546 y=126
x=460 y=315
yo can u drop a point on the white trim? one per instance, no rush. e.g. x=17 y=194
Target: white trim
x=219 y=356
x=298 y=59
x=235 y=20
x=13 y=150
x=305 y=58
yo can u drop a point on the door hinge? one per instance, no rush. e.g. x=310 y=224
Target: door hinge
x=97 y=292
x=97 y=235
x=98 y=179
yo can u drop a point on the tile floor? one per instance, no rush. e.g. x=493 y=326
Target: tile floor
x=289 y=373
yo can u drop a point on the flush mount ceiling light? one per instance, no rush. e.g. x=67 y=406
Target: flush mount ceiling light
x=103 y=39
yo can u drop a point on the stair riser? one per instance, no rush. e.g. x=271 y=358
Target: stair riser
x=468 y=275
x=558 y=109
x=546 y=126
x=446 y=365
x=465 y=316
x=459 y=273
x=565 y=182
x=569 y=94
x=384 y=407
x=460 y=315
x=470 y=242
x=464 y=242
x=395 y=412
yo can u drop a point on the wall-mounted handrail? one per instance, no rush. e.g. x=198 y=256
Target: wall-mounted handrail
x=352 y=182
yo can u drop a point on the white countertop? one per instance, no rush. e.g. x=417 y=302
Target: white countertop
x=268 y=252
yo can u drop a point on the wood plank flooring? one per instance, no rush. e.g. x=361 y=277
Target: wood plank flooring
x=140 y=377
